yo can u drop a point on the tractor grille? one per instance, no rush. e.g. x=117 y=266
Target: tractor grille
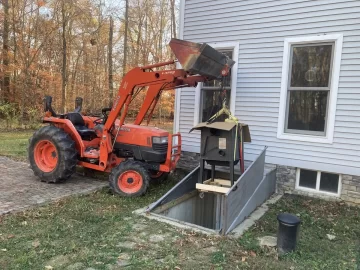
x=160 y=147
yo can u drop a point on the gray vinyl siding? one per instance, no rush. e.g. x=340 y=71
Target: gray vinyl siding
x=260 y=27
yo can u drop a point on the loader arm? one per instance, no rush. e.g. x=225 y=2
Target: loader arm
x=142 y=77
x=153 y=94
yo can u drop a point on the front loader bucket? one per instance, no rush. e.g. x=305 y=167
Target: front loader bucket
x=197 y=58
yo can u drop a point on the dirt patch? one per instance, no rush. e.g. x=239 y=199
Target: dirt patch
x=59 y=261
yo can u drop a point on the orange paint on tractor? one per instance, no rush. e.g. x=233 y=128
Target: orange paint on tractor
x=131 y=152
x=46 y=156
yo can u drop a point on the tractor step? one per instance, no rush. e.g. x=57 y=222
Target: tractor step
x=92 y=153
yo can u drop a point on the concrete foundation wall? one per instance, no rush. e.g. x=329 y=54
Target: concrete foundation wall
x=286 y=183
x=195 y=210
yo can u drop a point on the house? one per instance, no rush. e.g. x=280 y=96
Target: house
x=296 y=83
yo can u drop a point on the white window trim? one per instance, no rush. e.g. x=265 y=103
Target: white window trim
x=317 y=189
x=328 y=138
x=176 y=127
x=235 y=56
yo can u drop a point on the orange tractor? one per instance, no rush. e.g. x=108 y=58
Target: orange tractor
x=133 y=154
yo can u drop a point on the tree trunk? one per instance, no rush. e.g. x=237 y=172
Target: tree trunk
x=173 y=20
x=14 y=41
x=63 y=71
x=5 y=38
x=144 y=48
x=137 y=52
x=126 y=35
x=110 y=63
x=161 y=30
x=26 y=84
x=73 y=89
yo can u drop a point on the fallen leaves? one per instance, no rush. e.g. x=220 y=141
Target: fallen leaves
x=252 y=253
x=330 y=236
x=36 y=243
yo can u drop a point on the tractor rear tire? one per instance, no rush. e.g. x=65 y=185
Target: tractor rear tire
x=52 y=154
x=129 y=179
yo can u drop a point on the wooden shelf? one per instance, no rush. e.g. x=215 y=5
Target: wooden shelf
x=212 y=188
x=218 y=182
x=218 y=186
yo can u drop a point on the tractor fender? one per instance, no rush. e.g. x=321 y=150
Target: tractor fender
x=69 y=128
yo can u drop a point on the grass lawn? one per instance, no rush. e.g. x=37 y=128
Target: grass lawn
x=14 y=144
x=99 y=231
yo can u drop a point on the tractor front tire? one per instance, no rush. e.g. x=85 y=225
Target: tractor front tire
x=52 y=154
x=129 y=179
x=157 y=177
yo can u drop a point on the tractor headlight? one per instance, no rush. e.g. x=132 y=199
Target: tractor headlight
x=160 y=140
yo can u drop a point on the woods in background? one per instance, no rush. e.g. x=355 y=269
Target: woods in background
x=81 y=48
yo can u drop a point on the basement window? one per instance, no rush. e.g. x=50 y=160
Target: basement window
x=316 y=181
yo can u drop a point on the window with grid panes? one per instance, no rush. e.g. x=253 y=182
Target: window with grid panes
x=211 y=96
x=309 y=88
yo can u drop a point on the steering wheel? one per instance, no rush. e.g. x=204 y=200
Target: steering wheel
x=104 y=117
x=98 y=121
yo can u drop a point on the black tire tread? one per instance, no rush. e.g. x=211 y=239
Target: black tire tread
x=67 y=154
x=124 y=166
x=161 y=179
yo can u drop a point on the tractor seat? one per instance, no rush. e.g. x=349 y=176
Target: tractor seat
x=79 y=124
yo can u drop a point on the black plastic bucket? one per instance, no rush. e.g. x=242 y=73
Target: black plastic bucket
x=288 y=232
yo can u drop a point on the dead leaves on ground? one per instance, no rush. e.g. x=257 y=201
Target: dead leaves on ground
x=36 y=243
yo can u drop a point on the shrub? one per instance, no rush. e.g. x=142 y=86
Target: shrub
x=9 y=113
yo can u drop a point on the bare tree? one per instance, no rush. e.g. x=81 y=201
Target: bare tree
x=173 y=20
x=5 y=52
x=78 y=48
x=126 y=29
x=64 y=57
x=110 y=60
